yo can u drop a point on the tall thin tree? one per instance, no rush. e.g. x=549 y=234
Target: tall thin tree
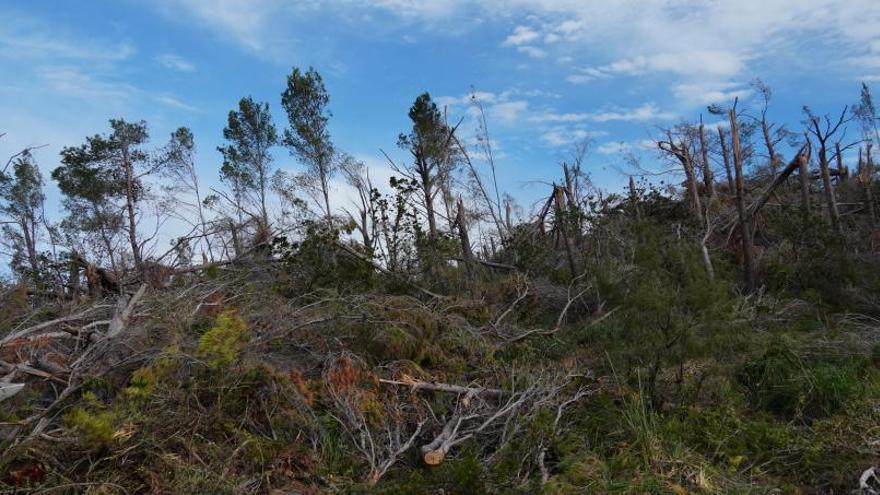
x=305 y=100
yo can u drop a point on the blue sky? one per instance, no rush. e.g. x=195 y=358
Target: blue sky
x=551 y=72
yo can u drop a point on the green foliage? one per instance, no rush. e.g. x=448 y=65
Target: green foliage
x=145 y=380
x=247 y=157
x=97 y=429
x=305 y=100
x=464 y=474
x=318 y=262
x=780 y=382
x=222 y=344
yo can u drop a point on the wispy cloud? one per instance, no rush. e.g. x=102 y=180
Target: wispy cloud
x=711 y=63
x=645 y=113
x=173 y=102
x=521 y=35
x=616 y=147
x=175 y=62
x=73 y=81
x=563 y=136
x=30 y=39
x=532 y=51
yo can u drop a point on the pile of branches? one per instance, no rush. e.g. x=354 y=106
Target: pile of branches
x=386 y=406
x=86 y=342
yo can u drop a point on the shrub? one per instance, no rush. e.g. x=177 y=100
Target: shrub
x=222 y=344
x=781 y=383
x=97 y=429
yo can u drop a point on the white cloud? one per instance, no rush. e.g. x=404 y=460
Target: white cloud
x=562 y=136
x=173 y=102
x=30 y=39
x=507 y=112
x=645 y=113
x=706 y=93
x=615 y=147
x=244 y=21
x=521 y=35
x=72 y=81
x=559 y=117
x=175 y=62
x=706 y=63
x=532 y=51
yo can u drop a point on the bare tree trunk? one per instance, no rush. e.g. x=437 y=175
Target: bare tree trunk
x=428 y=193
x=466 y=252
x=688 y=165
x=29 y=235
x=325 y=191
x=704 y=249
x=725 y=155
x=561 y=223
x=768 y=143
x=868 y=182
x=744 y=224
x=833 y=212
x=129 y=207
x=236 y=242
x=708 y=176
x=842 y=170
x=804 y=176
x=634 y=200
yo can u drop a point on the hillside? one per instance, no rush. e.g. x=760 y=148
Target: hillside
x=718 y=334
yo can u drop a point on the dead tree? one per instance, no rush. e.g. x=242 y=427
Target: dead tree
x=725 y=156
x=681 y=152
x=562 y=226
x=771 y=138
x=634 y=200
x=804 y=176
x=842 y=170
x=823 y=132
x=708 y=176
x=744 y=223
x=866 y=179
x=380 y=442
x=466 y=253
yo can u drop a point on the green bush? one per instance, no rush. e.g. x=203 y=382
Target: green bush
x=222 y=344
x=780 y=382
x=97 y=429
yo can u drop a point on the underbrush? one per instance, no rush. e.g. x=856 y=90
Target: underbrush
x=664 y=382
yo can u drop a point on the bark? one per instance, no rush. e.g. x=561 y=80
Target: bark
x=325 y=190
x=561 y=223
x=634 y=200
x=73 y=274
x=768 y=143
x=830 y=199
x=688 y=165
x=123 y=313
x=725 y=155
x=744 y=223
x=466 y=252
x=800 y=160
x=804 y=176
x=842 y=170
x=704 y=249
x=416 y=385
x=708 y=176
x=29 y=234
x=130 y=201
x=868 y=183
x=681 y=152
